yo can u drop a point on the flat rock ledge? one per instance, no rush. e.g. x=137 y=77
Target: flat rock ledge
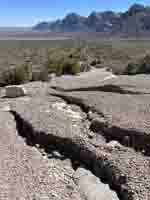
x=124 y=169
x=98 y=127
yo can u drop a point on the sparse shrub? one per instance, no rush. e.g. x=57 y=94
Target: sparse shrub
x=141 y=66
x=131 y=69
x=16 y=75
x=63 y=63
x=144 y=66
x=95 y=62
x=71 y=66
x=65 y=56
x=54 y=66
x=7 y=77
x=40 y=74
x=22 y=74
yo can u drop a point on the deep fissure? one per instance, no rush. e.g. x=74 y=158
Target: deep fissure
x=70 y=149
x=78 y=153
x=129 y=138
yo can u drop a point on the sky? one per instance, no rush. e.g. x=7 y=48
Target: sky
x=30 y=12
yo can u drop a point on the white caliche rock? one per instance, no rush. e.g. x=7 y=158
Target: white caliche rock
x=14 y=91
x=91 y=187
x=114 y=144
x=63 y=107
x=51 y=75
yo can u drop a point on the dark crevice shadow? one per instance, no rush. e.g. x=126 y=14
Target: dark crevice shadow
x=104 y=88
x=138 y=141
x=57 y=157
x=50 y=143
x=77 y=101
x=32 y=138
x=76 y=151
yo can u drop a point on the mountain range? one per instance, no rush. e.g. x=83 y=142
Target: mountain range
x=134 y=22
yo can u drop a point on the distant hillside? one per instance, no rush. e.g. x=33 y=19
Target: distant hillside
x=134 y=22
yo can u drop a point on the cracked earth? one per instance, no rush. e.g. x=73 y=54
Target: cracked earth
x=83 y=137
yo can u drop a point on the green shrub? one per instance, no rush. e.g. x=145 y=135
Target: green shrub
x=40 y=74
x=22 y=74
x=54 y=66
x=131 y=69
x=70 y=66
x=63 y=63
x=95 y=62
x=16 y=75
x=142 y=66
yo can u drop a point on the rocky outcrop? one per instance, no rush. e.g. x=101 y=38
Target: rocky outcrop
x=118 y=109
x=26 y=174
x=91 y=187
x=122 y=105
x=26 y=170
x=14 y=91
x=47 y=127
x=95 y=120
x=84 y=80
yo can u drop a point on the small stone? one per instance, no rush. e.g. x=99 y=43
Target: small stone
x=39 y=197
x=52 y=75
x=90 y=116
x=14 y=91
x=37 y=146
x=90 y=135
x=114 y=144
x=56 y=154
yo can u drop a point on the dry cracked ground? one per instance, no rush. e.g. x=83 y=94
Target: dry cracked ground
x=81 y=138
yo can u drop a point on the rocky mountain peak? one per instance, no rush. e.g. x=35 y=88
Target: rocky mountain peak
x=136 y=8
x=104 y=22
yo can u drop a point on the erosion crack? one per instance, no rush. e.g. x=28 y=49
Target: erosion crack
x=104 y=88
x=76 y=101
x=130 y=138
x=75 y=149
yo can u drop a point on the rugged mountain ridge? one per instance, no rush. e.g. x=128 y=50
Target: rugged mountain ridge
x=133 y=22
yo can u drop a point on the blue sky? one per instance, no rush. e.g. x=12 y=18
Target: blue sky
x=29 y=12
